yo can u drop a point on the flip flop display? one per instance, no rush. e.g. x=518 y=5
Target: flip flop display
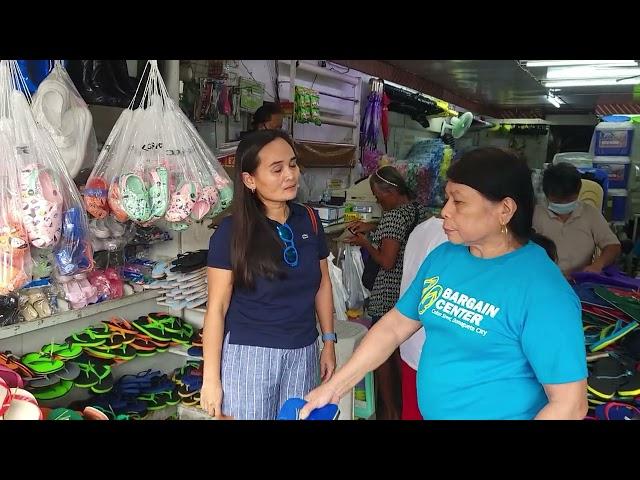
x=610 y=315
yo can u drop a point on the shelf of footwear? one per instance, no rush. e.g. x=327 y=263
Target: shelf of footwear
x=186 y=412
x=25 y=327
x=182 y=350
x=163 y=413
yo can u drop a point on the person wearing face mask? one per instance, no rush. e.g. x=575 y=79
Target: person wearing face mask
x=576 y=228
x=268 y=279
x=503 y=327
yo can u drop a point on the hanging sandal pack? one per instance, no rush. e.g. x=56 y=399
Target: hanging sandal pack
x=155 y=165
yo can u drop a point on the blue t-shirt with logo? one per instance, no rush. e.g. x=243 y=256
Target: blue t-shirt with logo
x=278 y=313
x=496 y=330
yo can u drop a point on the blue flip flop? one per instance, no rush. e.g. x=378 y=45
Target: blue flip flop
x=291 y=411
x=159 y=270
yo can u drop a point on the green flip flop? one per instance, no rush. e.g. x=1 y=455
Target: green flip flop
x=91 y=374
x=54 y=391
x=90 y=337
x=171 y=324
x=152 y=328
x=62 y=350
x=183 y=336
x=64 y=414
x=104 y=385
x=42 y=364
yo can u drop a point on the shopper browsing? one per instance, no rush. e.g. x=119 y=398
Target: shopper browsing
x=576 y=228
x=423 y=240
x=268 y=278
x=386 y=246
x=504 y=332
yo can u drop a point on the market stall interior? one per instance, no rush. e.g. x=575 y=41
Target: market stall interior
x=115 y=173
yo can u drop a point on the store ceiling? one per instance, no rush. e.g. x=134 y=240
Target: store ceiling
x=503 y=84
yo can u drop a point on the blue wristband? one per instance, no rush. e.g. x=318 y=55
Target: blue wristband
x=331 y=336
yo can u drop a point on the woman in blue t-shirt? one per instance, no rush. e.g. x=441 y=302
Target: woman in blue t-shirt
x=503 y=328
x=268 y=277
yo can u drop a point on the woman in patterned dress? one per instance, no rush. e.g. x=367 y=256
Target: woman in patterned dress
x=386 y=243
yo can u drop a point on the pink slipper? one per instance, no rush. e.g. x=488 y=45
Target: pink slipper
x=11 y=377
x=207 y=199
x=41 y=207
x=182 y=202
x=73 y=293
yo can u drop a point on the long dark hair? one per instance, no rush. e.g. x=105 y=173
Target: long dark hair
x=256 y=249
x=389 y=178
x=498 y=174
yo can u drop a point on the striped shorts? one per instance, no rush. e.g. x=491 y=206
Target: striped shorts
x=256 y=381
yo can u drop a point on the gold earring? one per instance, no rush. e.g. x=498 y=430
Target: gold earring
x=504 y=230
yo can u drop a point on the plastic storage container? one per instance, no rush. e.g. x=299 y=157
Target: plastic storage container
x=613 y=138
x=577 y=159
x=618 y=204
x=617 y=169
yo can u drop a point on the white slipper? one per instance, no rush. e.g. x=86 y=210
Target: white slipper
x=195 y=283
x=195 y=291
x=23 y=406
x=23 y=410
x=195 y=295
x=197 y=302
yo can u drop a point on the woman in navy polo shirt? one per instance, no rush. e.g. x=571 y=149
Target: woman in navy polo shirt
x=268 y=278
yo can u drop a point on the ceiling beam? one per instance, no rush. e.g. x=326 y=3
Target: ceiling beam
x=386 y=71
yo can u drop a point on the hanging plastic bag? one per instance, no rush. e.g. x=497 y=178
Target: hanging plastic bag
x=15 y=259
x=101 y=193
x=162 y=169
x=205 y=159
x=51 y=207
x=352 y=268
x=337 y=287
x=58 y=107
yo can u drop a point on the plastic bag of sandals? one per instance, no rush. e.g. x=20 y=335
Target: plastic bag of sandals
x=52 y=210
x=166 y=172
x=35 y=303
x=15 y=258
x=9 y=309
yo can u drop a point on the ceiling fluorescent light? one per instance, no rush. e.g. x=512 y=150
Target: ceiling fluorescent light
x=594 y=82
x=553 y=100
x=560 y=63
x=592 y=72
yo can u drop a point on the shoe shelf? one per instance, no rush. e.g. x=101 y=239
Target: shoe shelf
x=25 y=327
x=182 y=350
x=163 y=413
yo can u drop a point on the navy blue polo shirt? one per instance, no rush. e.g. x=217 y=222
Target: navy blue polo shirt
x=278 y=313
